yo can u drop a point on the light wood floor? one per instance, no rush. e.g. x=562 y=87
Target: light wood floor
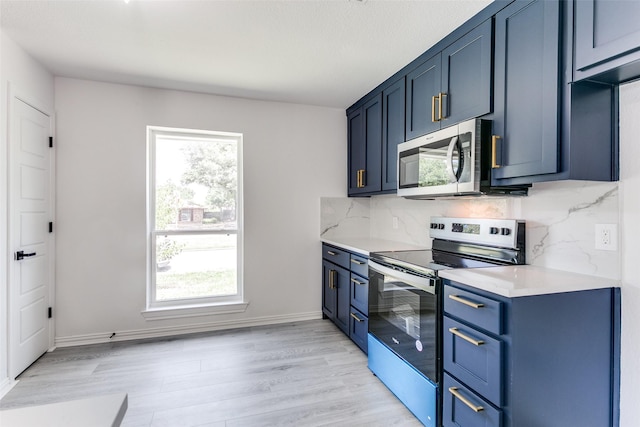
x=296 y=374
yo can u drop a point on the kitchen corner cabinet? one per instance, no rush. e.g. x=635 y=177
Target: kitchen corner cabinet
x=543 y=360
x=546 y=127
x=452 y=86
x=607 y=36
x=365 y=148
x=345 y=292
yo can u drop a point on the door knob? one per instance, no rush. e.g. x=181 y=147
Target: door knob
x=21 y=255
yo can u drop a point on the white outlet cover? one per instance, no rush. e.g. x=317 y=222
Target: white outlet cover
x=601 y=243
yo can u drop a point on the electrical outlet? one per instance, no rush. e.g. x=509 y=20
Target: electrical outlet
x=606 y=236
x=395 y=222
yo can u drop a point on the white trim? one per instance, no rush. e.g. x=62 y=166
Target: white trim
x=6 y=386
x=76 y=340
x=193 y=311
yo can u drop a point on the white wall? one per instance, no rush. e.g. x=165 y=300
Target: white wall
x=630 y=251
x=292 y=155
x=34 y=83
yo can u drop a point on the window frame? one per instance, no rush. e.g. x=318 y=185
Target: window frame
x=152 y=304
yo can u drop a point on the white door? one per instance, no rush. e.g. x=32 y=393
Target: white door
x=29 y=216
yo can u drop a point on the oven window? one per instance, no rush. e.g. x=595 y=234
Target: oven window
x=405 y=319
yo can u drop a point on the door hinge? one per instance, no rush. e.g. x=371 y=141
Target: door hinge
x=50 y=312
x=50 y=227
x=50 y=141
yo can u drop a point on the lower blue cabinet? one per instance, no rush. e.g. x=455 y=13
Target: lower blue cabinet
x=463 y=408
x=358 y=328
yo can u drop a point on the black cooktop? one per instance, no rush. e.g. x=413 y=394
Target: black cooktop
x=427 y=262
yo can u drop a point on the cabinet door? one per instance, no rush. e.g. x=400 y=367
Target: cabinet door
x=466 y=76
x=335 y=294
x=393 y=118
x=527 y=101
x=423 y=84
x=357 y=149
x=365 y=148
x=605 y=29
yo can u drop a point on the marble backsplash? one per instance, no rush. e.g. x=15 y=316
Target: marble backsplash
x=560 y=216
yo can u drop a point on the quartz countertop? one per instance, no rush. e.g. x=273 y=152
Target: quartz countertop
x=366 y=245
x=526 y=280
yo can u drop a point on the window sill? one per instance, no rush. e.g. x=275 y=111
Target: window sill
x=176 y=312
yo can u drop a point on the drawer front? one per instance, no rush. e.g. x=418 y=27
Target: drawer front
x=359 y=265
x=360 y=293
x=464 y=408
x=358 y=328
x=479 y=311
x=474 y=358
x=336 y=255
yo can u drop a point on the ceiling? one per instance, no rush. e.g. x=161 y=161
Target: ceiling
x=326 y=53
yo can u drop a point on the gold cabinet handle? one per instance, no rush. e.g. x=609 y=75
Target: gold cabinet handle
x=355 y=261
x=466 y=301
x=440 y=114
x=358 y=178
x=332 y=253
x=461 y=398
x=332 y=284
x=433 y=108
x=357 y=282
x=457 y=333
x=494 y=143
x=356 y=317
x=362 y=178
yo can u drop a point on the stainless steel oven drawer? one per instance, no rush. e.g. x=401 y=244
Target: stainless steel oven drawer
x=474 y=358
x=475 y=309
x=464 y=408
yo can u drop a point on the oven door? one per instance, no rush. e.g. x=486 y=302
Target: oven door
x=403 y=315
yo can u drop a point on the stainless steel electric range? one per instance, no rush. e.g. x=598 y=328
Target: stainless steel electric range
x=405 y=303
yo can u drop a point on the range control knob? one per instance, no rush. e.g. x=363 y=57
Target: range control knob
x=494 y=230
x=505 y=231
x=440 y=226
x=434 y=225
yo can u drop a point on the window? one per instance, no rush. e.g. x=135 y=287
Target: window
x=194 y=218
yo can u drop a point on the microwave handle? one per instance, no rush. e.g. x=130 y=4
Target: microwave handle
x=454 y=175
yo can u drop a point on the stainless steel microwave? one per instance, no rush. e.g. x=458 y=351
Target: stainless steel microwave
x=450 y=162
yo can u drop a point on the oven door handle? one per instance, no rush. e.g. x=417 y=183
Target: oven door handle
x=422 y=283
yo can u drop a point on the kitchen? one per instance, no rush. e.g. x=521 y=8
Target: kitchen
x=94 y=301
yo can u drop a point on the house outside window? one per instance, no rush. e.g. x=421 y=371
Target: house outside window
x=194 y=217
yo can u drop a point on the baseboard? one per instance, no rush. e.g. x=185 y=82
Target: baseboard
x=99 y=338
x=5 y=386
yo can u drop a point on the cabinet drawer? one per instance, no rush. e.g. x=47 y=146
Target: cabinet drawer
x=360 y=293
x=359 y=265
x=358 y=328
x=474 y=358
x=336 y=256
x=479 y=311
x=464 y=408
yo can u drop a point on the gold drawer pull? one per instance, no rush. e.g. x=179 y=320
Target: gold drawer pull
x=355 y=261
x=332 y=253
x=357 y=282
x=457 y=333
x=332 y=280
x=356 y=317
x=466 y=301
x=461 y=398
x=494 y=143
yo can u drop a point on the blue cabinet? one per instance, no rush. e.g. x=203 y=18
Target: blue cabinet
x=554 y=360
x=527 y=78
x=452 y=86
x=365 y=148
x=345 y=292
x=607 y=40
x=393 y=118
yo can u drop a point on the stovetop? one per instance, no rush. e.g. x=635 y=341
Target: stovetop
x=427 y=262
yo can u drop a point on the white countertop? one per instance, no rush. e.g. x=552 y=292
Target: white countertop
x=526 y=280
x=366 y=245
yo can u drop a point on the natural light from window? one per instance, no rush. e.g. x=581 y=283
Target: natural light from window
x=195 y=217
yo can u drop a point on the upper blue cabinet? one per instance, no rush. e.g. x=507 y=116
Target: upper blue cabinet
x=607 y=40
x=451 y=86
x=365 y=148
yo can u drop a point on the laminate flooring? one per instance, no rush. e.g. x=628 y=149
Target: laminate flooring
x=295 y=374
